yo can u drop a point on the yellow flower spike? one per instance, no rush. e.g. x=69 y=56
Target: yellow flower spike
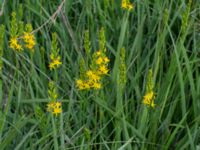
x=54 y=107
x=55 y=63
x=13 y=42
x=15 y=45
x=55 y=59
x=149 y=99
x=150 y=95
x=29 y=40
x=90 y=76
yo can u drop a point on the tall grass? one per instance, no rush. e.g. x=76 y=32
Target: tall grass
x=162 y=35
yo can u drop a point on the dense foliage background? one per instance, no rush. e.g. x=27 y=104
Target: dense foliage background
x=156 y=34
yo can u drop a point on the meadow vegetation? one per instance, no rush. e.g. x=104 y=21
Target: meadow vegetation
x=99 y=74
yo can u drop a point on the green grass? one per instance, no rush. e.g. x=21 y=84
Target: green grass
x=157 y=34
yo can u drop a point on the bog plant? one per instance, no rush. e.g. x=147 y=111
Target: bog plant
x=54 y=106
x=21 y=37
x=28 y=38
x=149 y=96
x=91 y=78
x=55 y=59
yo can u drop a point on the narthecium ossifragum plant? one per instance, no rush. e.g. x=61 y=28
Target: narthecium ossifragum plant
x=54 y=106
x=55 y=59
x=149 y=96
x=21 y=37
x=91 y=78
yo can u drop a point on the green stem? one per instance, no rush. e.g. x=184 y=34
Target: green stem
x=54 y=133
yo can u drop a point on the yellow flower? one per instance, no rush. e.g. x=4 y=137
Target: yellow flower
x=29 y=40
x=57 y=108
x=57 y=111
x=126 y=5
x=58 y=104
x=55 y=63
x=79 y=82
x=99 y=61
x=106 y=60
x=86 y=85
x=98 y=53
x=103 y=70
x=96 y=85
x=15 y=45
x=149 y=99
x=54 y=107
x=13 y=41
x=82 y=85
x=92 y=75
x=19 y=47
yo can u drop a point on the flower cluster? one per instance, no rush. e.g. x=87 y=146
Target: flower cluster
x=53 y=106
x=29 y=40
x=126 y=5
x=149 y=99
x=55 y=60
x=93 y=76
x=21 y=38
x=102 y=63
x=14 y=44
x=150 y=95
